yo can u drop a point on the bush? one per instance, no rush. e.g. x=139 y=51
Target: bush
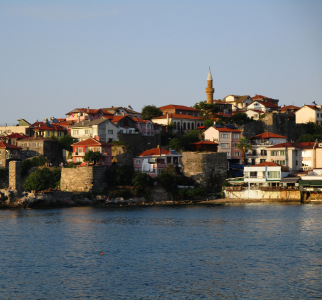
x=4 y=172
x=91 y=156
x=120 y=175
x=36 y=161
x=142 y=180
x=43 y=179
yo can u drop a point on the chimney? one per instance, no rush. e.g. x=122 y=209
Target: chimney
x=97 y=138
x=87 y=109
x=83 y=122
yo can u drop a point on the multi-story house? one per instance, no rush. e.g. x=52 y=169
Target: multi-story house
x=21 y=129
x=265 y=99
x=40 y=146
x=238 y=102
x=180 y=122
x=147 y=127
x=263 y=106
x=81 y=114
x=289 y=110
x=227 y=138
x=153 y=161
x=122 y=111
x=260 y=142
x=264 y=174
x=286 y=154
x=179 y=109
x=48 y=129
x=309 y=113
x=82 y=147
x=13 y=138
x=124 y=124
x=104 y=128
x=8 y=152
x=311 y=155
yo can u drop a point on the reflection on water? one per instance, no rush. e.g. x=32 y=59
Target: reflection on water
x=184 y=252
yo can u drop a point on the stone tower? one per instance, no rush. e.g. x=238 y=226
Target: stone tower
x=209 y=89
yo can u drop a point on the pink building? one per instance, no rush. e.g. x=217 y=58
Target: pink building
x=80 y=148
x=147 y=127
x=153 y=161
x=227 y=138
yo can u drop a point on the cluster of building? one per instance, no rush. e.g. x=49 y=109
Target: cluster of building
x=95 y=129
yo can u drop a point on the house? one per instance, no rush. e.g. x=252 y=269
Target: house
x=207 y=146
x=265 y=99
x=8 y=152
x=238 y=102
x=259 y=144
x=145 y=127
x=226 y=137
x=48 y=130
x=255 y=114
x=289 y=110
x=82 y=147
x=263 y=106
x=311 y=153
x=13 y=138
x=102 y=127
x=23 y=128
x=153 y=161
x=124 y=123
x=264 y=174
x=40 y=146
x=122 y=111
x=309 y=113
x=180 y=122
x=179 y=109
x=286 y=154
x=81 y=114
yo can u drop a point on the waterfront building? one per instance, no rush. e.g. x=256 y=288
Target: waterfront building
x=153 y=161
x=260 y=143
x=227 y=137
x=95 y=145
x=8 y=152
x=311 y=153
x=103 y=128
x=309 y=113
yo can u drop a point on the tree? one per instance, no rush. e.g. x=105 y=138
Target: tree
x=65 y=142
x=151 y=111
x=42 y=179
x=175 y=144
x=241 y=119
x=309 y=138
x=91 y=156
x=208 y=123
x=140 y=179
x=207 y=111
x=120 y=175
x=243 y=145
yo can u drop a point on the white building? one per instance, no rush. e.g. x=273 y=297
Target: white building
x=309 y=113
x=263 y=106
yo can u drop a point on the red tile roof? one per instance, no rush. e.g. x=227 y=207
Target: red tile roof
x=155 y=151
x=267 y=135
x=172 y=106
x=289 y=107
x=267 y=104
x=117 y=118
x=179 y=116
x=8 y=146
x=91 y=142
x=225 y=129
x=53 y=127
x=267 y=163
x=312 y=106
x=287 y=145
x=16 y=136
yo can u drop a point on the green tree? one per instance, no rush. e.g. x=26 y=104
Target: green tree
x=120 y=175
x=208 y=123
x=36 y=161
x=65 y=142
x=175 y=144
x=242 y=145
x=91 y=156
x=241 y=119
x=207 y=111
x=309 y=138
x=151 y=111
x=42 y=179
x=140 y=179
x=183 y=143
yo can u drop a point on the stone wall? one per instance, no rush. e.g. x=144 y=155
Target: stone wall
x=15 y=175
x=84 y=179
x=121 y=156
x=139 y=143
x=275 y=123
x=207 y=168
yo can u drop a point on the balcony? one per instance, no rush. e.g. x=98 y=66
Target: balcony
x=13 y=156
x=78 y=153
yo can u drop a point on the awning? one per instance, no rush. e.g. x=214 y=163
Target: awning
x=290 y=180
x=316 y=182
x=305 y=182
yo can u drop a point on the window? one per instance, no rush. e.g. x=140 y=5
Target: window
x=108 y=159
x=79 y=150
x=161 y=161
x=296 y=163
x=168 y=160
x=236 y=153
x=273 y=174
x=137 y=161
x=262 y=160
x=159 y=171
x=76 y=132
x=228 y=153
x=296 y=152
x=224 y=145
x=318 y=115
x=224 y=135
x=235 y=136
x=79 y=159
x=141 y=125
x=110 y=132
x=0 y=152
x=87 y=131
x=98 y=149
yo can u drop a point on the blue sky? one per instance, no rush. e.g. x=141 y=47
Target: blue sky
x=59 y=55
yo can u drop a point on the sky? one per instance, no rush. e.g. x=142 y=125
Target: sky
x=59 y=55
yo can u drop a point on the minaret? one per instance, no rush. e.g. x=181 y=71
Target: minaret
x=209 y=89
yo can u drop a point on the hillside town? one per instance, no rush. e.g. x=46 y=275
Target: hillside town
x=250 y=145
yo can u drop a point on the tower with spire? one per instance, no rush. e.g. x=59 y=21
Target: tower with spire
x=209 y=89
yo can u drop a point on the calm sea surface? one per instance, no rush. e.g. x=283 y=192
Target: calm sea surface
x=175 y=252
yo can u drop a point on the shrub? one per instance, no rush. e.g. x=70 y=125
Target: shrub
x=36 y=161
x=42 y=179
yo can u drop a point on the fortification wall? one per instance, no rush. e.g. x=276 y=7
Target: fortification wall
x=208 y=169
x=84 y=179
